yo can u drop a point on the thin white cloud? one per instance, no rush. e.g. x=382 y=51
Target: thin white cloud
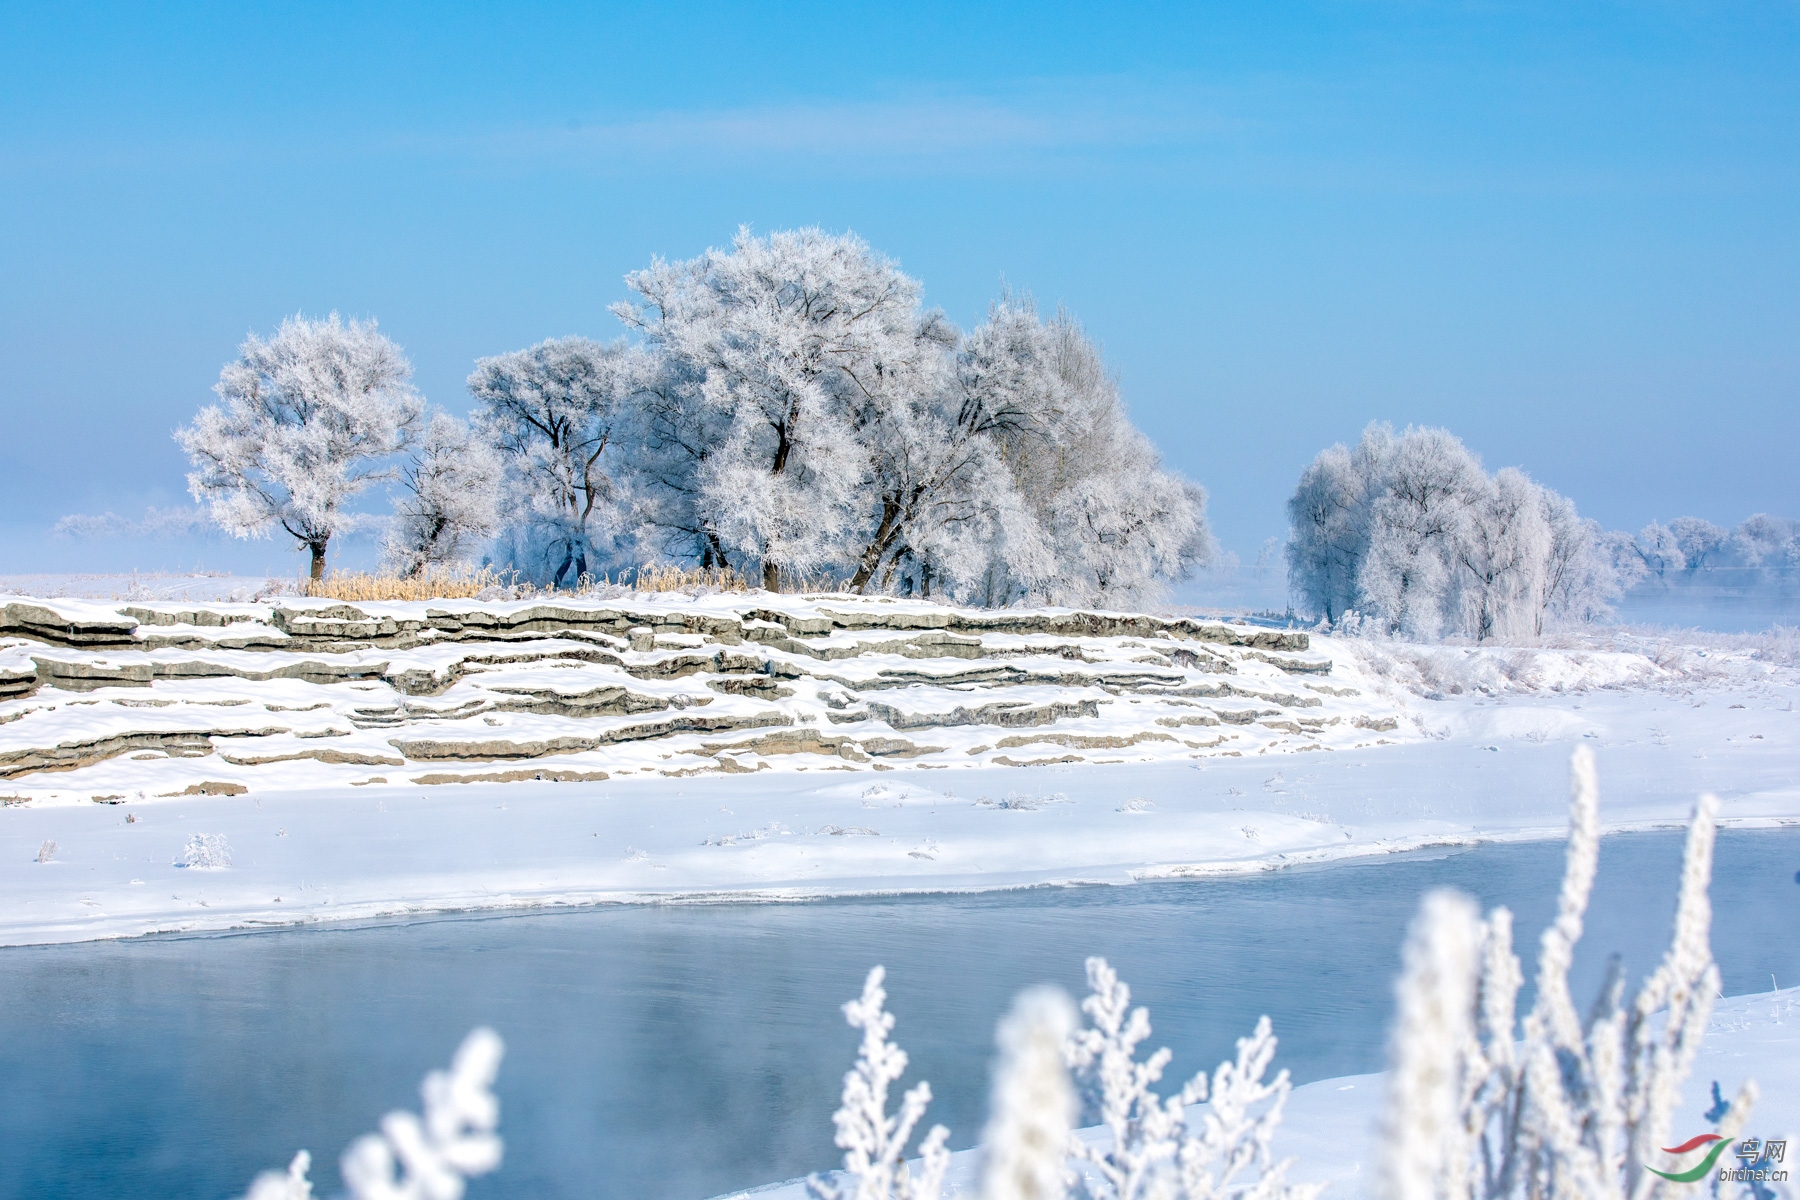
x=1083 y=119
x=1045 y=121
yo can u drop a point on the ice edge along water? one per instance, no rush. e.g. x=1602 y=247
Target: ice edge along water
x=312 y=840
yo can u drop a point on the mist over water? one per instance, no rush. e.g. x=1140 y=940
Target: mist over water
x=679 y=1052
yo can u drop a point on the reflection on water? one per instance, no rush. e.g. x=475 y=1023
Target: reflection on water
x=679 y=1052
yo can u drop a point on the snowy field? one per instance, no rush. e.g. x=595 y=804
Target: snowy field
x=148 y=585
x=1400 y=747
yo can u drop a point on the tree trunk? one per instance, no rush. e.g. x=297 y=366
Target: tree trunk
x=318 y=558
x=771 y=577
x=877 y=548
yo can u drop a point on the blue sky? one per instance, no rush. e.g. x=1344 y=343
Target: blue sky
x=1568 y=232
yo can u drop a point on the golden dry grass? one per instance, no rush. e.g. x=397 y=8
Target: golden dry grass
x=685 y=579
x=435 y=583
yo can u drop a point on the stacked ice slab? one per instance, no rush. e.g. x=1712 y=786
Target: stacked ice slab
x=115 y=702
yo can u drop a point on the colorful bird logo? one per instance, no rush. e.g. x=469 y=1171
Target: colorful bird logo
x=1706 y=1164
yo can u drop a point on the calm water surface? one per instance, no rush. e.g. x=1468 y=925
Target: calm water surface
x=673 y=1053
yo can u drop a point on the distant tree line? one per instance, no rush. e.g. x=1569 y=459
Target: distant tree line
x=1761 y=554
x=1405 y=534
x=1408 y=532
x=787 y=408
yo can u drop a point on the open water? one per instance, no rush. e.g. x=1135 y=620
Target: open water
x=678 y=1052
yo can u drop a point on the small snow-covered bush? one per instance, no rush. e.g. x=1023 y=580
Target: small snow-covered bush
x=874 y=1143
x=1025 y=1147
x=1157 y=1148
x=414 y=1158
x=1051 y=1072
x=206 y=852
x=1556 y=1107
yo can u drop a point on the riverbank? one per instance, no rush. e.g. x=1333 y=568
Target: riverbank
x=1484 y=768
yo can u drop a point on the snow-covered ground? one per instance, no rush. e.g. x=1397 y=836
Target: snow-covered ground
x=1493 y=768
x=199 y=586
x=855 y=747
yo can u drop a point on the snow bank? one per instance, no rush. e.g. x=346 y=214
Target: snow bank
x=746 y=747
x=113 y=703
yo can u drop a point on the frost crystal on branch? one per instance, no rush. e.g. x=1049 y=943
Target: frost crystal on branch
x=413 y=1158
x=1425 y=1139
x=1025 y=1147
x=1562 y=1107
x=1157 y=1149
x=873 y=1142
x=430 y=1159
x=291 y=1184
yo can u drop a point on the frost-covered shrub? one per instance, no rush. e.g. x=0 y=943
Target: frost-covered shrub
x=1025 y=1147
x=1557 y=1106
x=1049 y=1068
x=418 y=1158
x=1157 y=1147
x=206 y=852
x=873 y=1142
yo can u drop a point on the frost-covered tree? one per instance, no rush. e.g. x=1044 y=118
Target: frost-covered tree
x=1091 y=516
x=1408 y=531
x=1329 y=532
x=1660 y=550
x=1556 y=1106
x=1503 y=554
x=1761 y=554
x=1699 y=541
x=308 y=420
x=795 y=412
x=555 y=411
x=1418 y=519
x=418 y=1157
x=452 y=499
x=1768 y=544
x=1580 y=572
x=786 y=337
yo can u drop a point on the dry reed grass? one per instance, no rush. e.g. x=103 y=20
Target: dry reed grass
x=434 y=583
x=684 y=579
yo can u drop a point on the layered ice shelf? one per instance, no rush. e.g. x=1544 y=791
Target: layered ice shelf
x=130 y=702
